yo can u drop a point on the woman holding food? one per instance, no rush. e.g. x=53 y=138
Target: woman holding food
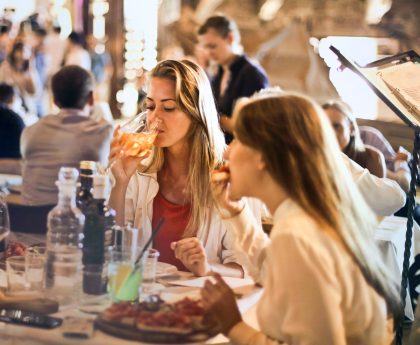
x=174 y=183
x=323 y=277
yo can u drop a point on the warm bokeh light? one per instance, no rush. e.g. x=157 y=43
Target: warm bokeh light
x=141 y=25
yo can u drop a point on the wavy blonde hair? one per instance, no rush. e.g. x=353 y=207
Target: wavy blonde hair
x=302 y=155
x=194 y=97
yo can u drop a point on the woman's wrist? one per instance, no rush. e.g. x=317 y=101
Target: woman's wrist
x=231 y=211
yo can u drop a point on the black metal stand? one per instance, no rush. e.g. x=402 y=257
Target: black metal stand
x=411 y=202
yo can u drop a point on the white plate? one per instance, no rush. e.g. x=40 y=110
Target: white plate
x=163 y=269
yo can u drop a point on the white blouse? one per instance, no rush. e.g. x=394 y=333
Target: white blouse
x=314 y=293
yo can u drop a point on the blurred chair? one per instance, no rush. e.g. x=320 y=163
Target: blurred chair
x=29 y=219
x=10 y=166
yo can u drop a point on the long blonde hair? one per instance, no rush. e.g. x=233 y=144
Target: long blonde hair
x=302 y=155
x=194 y=97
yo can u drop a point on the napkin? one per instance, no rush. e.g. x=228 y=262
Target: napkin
x=199 y=282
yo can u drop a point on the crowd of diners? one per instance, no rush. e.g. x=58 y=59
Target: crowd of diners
x=324 y=279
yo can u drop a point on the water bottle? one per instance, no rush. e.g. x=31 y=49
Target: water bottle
x=64 y=242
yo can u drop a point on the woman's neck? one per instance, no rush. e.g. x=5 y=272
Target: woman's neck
x=229 y=61
x=271 y=193
x=176 y=161
x=173 y=176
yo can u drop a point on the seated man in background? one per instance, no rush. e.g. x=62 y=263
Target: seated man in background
x=63 y=139
x=11 y=124
x=11 y=127
x=396 y=162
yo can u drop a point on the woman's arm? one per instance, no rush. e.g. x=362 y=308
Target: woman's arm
x=191 y=253
x=117 y=202
x=376 y=162
x=123 y=168
x=244 y=229
x=383 y=195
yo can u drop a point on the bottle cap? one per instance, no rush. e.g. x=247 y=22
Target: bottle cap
x=88 y=165
x=67 y=174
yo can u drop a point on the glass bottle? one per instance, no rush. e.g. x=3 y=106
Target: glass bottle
x=97 y=238
x=87 y=170
x=64 y=242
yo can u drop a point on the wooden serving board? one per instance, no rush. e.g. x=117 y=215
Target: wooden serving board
x=131 y=333
x=38 y=305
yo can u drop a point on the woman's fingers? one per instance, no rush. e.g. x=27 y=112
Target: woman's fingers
x=195 y=258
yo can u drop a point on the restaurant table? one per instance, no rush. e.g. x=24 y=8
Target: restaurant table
x=11 y=334
x=390 y=237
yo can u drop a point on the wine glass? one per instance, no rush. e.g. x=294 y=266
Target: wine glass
x=136 y=137
x=4 y=216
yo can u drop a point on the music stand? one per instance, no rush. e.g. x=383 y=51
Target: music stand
x=369 y=73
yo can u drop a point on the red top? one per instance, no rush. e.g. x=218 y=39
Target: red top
x=176 y=220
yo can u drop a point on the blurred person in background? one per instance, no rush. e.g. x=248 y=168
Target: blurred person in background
x=4 y=41
x=75 y=53
x=63 y=139
x=101 y=67
x=11 y=124
x=348 y=137
x=237 y=75
x=54 y=50
x=397 y=167
x=18 y=70
x=41 y=62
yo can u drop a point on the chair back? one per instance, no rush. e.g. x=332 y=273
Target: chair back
x=29 y=219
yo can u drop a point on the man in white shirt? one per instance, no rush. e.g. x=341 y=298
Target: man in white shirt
x=76 y=54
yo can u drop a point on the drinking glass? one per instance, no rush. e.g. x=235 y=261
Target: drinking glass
x=35 y=262
x=16 y=274
x=120 y=266
x=25 y=274
x=136 y=137
x=149 y=271
x=4 y=217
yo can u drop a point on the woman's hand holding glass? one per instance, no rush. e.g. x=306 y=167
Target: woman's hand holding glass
x=131 y=143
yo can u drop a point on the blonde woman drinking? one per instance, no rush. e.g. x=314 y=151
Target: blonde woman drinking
x=324 y=281
x=175 y=184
